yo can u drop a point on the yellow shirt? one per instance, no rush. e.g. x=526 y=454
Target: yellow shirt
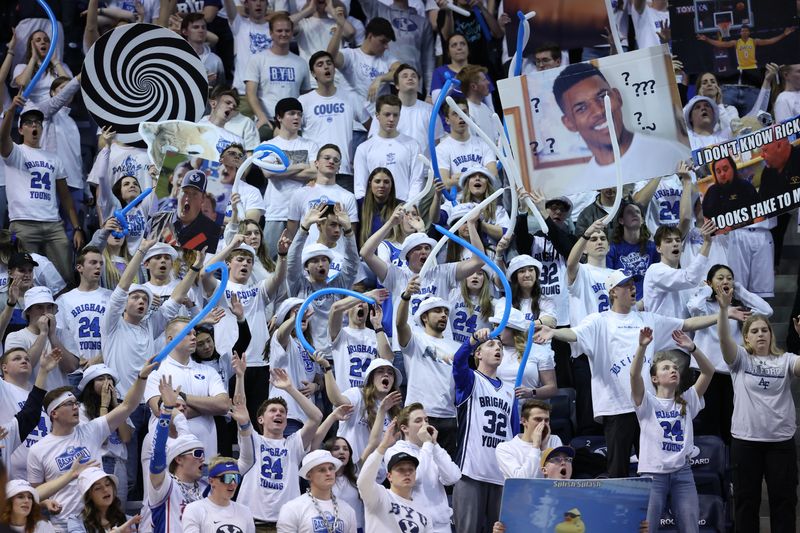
x=746 y=54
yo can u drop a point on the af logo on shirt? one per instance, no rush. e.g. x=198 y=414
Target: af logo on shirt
x=64 y=461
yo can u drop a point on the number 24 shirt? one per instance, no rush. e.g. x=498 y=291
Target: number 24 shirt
x=31 y=184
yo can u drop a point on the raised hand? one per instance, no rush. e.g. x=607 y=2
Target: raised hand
x=342 y=216
x=239 y=410
x=645 y=336
x=724 y=297
x=314 y=215
x=503 y=244
x=482 y=335
x=413 y=286
x=707 y=229
x=390 y=436
x=284 y=242
x=50 y=360
x=391 y=400
x=683 y=341
x=739 y=314
x=375 y=315
x=214 y=316
x=148 y=367
x=239 y=364
x=543 y=334
x=280 y=378
x=169 y=396
x=78 y=467
x=343 y=412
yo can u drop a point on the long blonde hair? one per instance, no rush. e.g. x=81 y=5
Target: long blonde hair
x=490 y=211
x=262 y=254
x=484 y=297
x=773 y=348
x=659 y=358
x=112 y=274
x=370 y=395
x=370 y=207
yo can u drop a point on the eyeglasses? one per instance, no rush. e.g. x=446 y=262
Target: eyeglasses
x=71 y=404
x=197 y=453
x=236 y=155
x=539 y=61
x=227 y=479
x=561 y=460
x=335 y=160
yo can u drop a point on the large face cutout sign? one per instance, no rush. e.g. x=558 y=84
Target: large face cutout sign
x=142 y=73
x=181 y=136
x=557 y=122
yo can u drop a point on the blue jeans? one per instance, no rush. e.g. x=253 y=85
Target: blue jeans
x=3 y=207
x=743 y=97
x=680 y=488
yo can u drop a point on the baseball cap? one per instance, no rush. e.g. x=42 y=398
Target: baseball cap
x=427 y=304
x=19 y=259
x=37 y=295
x=95 y=371
x=30 y=112
x=246 y=248
x=687 y=109
x=287 y=104
x=90 y=476
x=196 y=179
x=563 y=199
x=549 y=452
x=476 y=169
x=160 y=248
x=414 y=240
x=316 y=458
x=181 y=445
x=378 y=363
x=401 y=457
x=315 y=250
x=616 y=278
x=522 y=261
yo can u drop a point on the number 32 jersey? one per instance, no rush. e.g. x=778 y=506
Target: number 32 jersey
x=31 y=184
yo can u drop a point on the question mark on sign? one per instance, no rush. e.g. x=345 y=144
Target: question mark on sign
x=535 y=145
x=638 y=87
x=626 y=75
x=535 y=104
x=551 y=142
x=638 y=116
x=652 y=85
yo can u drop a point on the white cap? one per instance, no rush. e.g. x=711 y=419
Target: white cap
x=378 y=363
x=516 y=319
x=427 y=304
x=459 y=211
x=563 y=199
x=37 y=295
x=616 y=278
x=315 y=250
x=18 y=486
x=182 y=444
x=316 y=458
x=246 y=248
x=92 y=475
x=522 y=261
x=687 y=109
x=95 y=371
x=138 y=287
x=285 y=308
x=160 y=248
x=414 y=240
x=476 y=169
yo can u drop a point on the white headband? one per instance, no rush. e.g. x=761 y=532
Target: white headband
x=55 y=404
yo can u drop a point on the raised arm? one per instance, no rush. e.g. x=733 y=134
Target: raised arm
x=468 y=267
x=158 y=461
x=132 y=400
x=644 y=196
x=133 y=266
x=331 y=387
x=715 y=42
x=376 y=431
x=338 y=415
x=686 y=210
x=334 y=44
x=401 y=327
x=773 y=40
x=6 y=144
x=706 y=367
x=637 y=383
x=726 y=341
x=375 y=263
x=280 y=379
x=208 y=280
x=574 y=258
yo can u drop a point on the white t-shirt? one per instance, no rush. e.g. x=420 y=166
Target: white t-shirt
x=457 y=156
x=278 y=76
x=52 y=456
x=280 y=190
x=329 y=119
x=384 y=510
x=244 y=127
x=194 y=379
x=588 y=293
x=665 y=206
x=224 y=138
x=12 y=398
x=353 y=350
x=787 y=105
x=761 y=386
x=667 y=437
x=610 y=340
x=79 y=314
x=301 y=516
x=204 y=516
x=481 y=114
x=414 y=122
x=553 y=277
x=298 y=364
x=399 y=155
x=168 y=503
x=648 y=24
x=356 y=429
x=666 y=290
x=31 y=175
x=519 y=459
x=249 y=40
x=540 y=358
x=360 y=70
x=347 y=492
x=272 y=482
x=429 y=365
x=123 y=161
x=308 y=196
x=313 y=33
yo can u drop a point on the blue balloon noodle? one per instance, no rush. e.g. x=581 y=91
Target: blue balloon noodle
x=506 y=287
x=203 y=312
x=272 y=149
x=298 y=321
x=50 y=51
x=119 y=214
x=487 y=33
x=520 y=36
x=437 y=106
x=525 y=354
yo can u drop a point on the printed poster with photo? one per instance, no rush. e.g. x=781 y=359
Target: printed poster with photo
x=578 y=505
x=753 y=177
x=559 y=133
x=192 y=198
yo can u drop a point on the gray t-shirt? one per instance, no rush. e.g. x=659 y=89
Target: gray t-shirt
x=763 y=409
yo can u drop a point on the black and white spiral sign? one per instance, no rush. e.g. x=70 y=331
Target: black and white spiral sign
x=142 y=73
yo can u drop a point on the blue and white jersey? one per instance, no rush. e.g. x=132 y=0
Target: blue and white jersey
x=79 y=316
x=353 y=351
x=463 y=322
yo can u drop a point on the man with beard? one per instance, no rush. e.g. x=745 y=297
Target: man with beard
x=729 y=192
x=579 y=91
x=188 y=227
x=429 y=356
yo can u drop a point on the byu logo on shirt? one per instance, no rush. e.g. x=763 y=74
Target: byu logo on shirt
x=259 y=42
x=321 y=524
x=201 y=377
x=229 y=528
x=281 y=74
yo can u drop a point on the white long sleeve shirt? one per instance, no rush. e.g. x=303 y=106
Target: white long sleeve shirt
x=519 y=459
x=665 y=287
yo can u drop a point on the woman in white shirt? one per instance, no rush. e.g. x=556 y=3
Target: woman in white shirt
x=22 y=512
x=477 y=184
x=38 y=44
x=764 y=420
x=666 y=440
x=345 y=487
x=471 y=305
x=102 y=509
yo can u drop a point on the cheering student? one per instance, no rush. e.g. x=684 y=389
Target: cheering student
x=345 y=487
x=489 y=416
x=579 y=91
x=524 y=455
x=667 y=436
x=435 y=470
x=218 y=511
x=763 y=424
x=631 y=248
x=463 y=150
x=392 y=510
x=605 y=338
x=102 y=508
x=24 y=503
x=319 y=506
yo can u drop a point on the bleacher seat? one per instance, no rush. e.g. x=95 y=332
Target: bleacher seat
x=562 y=417
x=709 y=460
x=711 y=518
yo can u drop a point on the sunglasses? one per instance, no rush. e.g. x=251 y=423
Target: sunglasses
x=227 y=479
x=197 y=453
